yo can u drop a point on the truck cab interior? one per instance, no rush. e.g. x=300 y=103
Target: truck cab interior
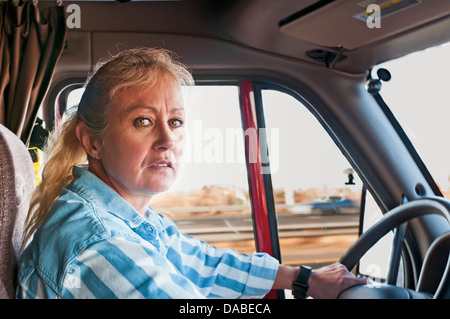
x=324 y=58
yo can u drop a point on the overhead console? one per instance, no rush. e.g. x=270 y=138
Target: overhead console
x=352 y=24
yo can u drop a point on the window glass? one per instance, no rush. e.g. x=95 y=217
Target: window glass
x=74 y=97
x=417 y=94
x=317 y=212
x=210 y=198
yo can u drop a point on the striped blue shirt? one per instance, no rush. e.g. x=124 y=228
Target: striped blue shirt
x=95 y=245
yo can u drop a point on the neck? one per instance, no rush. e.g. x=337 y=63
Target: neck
x=139 y=202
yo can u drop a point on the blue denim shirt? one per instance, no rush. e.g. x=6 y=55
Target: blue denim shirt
x=94 y=244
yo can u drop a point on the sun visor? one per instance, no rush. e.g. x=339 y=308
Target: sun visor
x=355 y=23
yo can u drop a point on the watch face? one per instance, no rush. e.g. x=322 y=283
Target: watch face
x=305 y=267
x=303 y=274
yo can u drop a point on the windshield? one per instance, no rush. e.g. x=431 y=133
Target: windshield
x=418 y=96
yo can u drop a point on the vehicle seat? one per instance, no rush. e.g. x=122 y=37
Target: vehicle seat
x=17 y=182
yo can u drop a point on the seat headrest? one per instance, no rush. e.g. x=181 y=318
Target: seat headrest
x=17 y=182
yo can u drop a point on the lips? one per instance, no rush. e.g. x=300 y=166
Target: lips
x=161 y=164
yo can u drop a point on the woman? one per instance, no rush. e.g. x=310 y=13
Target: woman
x=91 y=232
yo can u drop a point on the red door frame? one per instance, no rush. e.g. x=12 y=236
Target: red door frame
x=256 y=180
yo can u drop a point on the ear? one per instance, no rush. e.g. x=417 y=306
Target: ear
x=90 y=143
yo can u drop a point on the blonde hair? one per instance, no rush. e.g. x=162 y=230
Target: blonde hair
x=129 y=70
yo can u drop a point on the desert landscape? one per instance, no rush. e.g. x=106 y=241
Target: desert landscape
x=214 y=195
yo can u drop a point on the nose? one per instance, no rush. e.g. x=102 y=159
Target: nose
x=166 y=139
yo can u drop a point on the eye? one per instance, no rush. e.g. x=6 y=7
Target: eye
x=142 y=122
x=175 y=123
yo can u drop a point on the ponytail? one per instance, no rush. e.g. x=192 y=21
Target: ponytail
x=62 y=152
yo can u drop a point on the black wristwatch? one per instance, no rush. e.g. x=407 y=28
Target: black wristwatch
x=300 y=285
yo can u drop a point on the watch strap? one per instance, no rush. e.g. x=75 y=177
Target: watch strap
x=300 y=285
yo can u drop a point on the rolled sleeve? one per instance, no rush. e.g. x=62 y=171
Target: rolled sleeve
x=261 y=275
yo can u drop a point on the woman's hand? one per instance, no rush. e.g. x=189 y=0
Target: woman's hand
x=328 y=282
x=324 y=283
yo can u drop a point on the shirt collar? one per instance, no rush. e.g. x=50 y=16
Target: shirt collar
x=97 y=192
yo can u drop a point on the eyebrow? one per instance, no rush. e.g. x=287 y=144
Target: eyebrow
x=149 y=107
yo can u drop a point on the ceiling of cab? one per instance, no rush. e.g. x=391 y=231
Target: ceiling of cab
x=287 y=28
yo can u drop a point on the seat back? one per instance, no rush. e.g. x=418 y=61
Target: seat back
x=17 y=182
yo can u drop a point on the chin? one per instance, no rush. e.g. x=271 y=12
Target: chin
x=159 y=188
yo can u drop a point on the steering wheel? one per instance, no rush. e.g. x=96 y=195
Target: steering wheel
x=390 y=221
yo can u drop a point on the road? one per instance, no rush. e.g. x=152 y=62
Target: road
x=311 y=238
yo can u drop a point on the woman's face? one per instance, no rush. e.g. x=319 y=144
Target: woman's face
x=143 y=144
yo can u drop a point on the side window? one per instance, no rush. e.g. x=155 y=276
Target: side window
x=317 y=201
x=74 y=97
x=317 y=205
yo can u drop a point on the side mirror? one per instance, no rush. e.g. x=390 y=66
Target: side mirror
x=350 y=174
